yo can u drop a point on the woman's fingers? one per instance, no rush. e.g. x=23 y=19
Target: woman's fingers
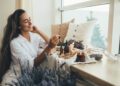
x=54 y=41
x=56 y=37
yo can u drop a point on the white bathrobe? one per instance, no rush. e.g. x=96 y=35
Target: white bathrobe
x=23 y=51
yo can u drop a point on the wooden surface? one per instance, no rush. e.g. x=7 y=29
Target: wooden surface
x=104 y=73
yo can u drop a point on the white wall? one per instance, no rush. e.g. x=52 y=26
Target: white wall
x=6 y=8
x=41 y=11
x=43 y=14
x=27 y=6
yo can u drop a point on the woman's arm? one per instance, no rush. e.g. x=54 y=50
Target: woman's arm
x=52 y=44
x=43 y=35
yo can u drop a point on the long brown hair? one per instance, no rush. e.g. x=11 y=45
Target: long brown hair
x=11 y=31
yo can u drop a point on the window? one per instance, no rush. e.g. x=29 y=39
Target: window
x=71 y=2
x=87 y=10
x=99 y=13
x=109 y=10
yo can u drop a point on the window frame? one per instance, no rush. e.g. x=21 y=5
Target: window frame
x=95 y=3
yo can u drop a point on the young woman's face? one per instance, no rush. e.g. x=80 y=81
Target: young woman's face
x=25 y=23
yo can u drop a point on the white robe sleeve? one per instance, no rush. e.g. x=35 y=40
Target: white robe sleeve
x=41 y=44
x=19 y=55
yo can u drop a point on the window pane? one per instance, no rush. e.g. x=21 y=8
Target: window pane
x=99 y=13
x=71 y=2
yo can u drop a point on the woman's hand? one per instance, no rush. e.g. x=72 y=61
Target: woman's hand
x=54 y=41
x=35 y=29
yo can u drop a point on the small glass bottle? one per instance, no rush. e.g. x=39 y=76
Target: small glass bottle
x=80 y=57
x=61 y=49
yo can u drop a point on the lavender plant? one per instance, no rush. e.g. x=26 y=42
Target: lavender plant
x=39 y=76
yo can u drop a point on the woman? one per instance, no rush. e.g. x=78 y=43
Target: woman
x=21 y=45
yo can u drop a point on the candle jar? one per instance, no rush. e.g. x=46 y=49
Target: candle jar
x=80 y=57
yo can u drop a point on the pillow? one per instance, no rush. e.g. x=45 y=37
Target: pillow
x=80 y=32
x=60 y=29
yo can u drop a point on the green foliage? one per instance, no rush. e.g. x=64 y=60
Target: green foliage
x=97 y=39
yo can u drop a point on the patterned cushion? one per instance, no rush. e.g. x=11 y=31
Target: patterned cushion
x=80 y=32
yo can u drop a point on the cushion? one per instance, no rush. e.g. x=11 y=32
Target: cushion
x=80 y=32
x=60 y=29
